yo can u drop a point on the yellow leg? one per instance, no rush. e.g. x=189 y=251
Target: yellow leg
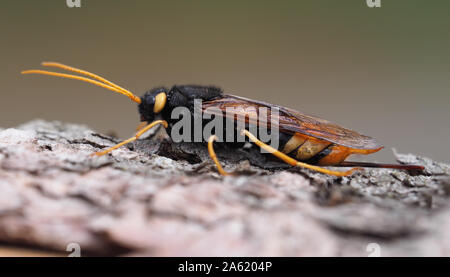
x=213 y=156
x=141 y=125
x=138 y=134
x=294 y=162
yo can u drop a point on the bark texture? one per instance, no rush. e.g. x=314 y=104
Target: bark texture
x=155 y=198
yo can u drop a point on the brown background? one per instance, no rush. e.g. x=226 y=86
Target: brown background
x=383 y=72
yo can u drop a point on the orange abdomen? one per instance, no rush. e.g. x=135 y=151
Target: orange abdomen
x=320 y=152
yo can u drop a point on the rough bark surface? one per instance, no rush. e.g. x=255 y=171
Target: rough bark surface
x=160 y=199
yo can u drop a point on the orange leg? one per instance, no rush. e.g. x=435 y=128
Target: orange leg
x=138 y=134
x=213 y=156
x=294 y=162
x=141 y=125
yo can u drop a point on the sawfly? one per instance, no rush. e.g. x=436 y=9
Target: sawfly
x=304 y=141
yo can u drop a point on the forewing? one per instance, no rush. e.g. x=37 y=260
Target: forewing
x=289 y=121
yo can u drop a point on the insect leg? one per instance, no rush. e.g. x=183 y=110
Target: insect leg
x=138 y=134
x=140 y=126
x=213 y=156
x=294 y=162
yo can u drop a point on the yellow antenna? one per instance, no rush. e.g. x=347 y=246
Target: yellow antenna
x=102 y=82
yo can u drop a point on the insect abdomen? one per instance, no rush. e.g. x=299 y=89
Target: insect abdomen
x=316 y=151
x=312 y=150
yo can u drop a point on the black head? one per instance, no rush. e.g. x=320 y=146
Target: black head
x=152 y=103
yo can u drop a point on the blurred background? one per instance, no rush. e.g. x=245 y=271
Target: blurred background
x=383 y=72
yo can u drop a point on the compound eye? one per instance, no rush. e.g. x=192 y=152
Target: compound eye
x=160 y=102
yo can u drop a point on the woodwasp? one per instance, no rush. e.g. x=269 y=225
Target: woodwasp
x=304 y=141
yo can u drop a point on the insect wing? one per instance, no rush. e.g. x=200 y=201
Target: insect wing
x=289 y=121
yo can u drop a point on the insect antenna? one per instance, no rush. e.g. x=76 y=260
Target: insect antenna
x=102 y=82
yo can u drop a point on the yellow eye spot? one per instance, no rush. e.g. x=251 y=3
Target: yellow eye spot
x=160 y=102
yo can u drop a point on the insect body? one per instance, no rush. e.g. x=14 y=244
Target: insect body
x=304 y=141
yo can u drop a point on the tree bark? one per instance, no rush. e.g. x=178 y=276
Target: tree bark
x=156 y=198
